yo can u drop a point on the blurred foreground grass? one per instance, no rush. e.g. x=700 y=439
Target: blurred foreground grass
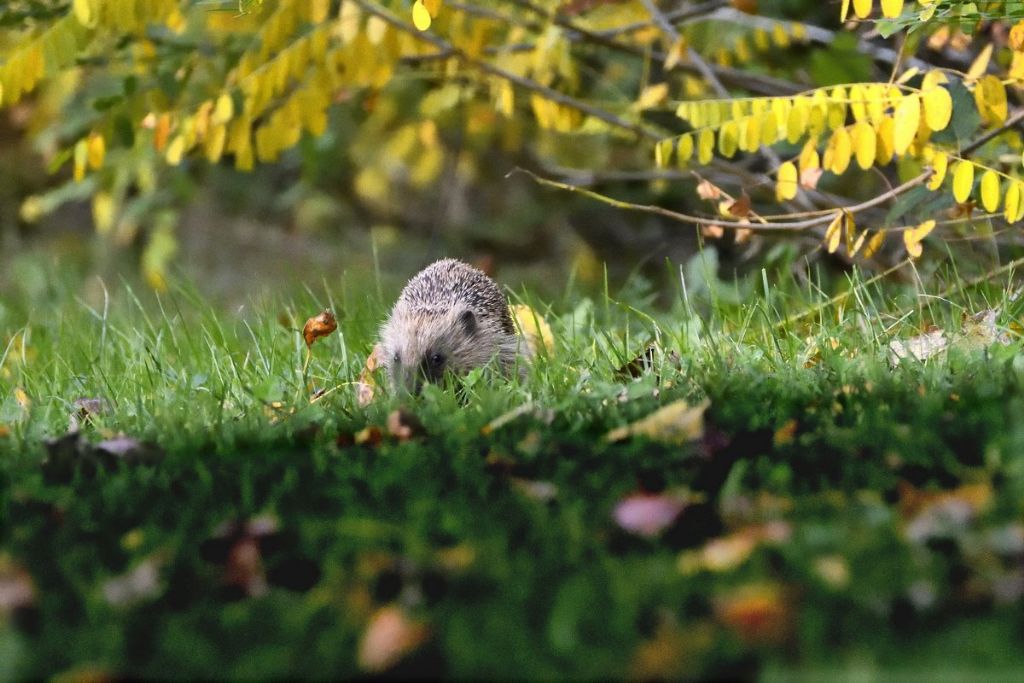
x=830 y=510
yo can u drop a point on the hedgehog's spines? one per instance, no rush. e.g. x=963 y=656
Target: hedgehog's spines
x=451 y=310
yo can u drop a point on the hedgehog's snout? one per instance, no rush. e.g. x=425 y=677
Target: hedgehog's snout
x=412 y=373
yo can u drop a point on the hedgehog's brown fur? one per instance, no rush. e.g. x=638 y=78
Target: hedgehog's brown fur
x=449 y=318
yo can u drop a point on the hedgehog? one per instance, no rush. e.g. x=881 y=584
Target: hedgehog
x=449 y=318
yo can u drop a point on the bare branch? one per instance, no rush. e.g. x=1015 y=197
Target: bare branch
x=787 y=226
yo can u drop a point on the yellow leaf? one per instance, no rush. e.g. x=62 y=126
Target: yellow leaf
x=420 y=16
x=728 y=139
x=318 y=11
x=81 y=159
x=884 y=143
x=706 y=146
x=1012 y=204
x=103 y=212
x=1017 y=37
x=786 y=186
x=845 y=11
x=214 y=144
x=534 y=329
x=913 y=236
x=809 y=156
x=862 y=8
x=874 y=244
x=939 y=165
x=85 y=12
x=906 y=120
x=834 y=232
x=858 y=104
x=348 y=20
x=676 y=423
x=22 y=399
x=97 y=149
x=980 y=64
x=892 y=8
x=224 y=109
x=752 y=134
x=990 y=96
x=938 y=108
x=175 y=150
x=796 y=121
x=652 y=96
x=850 y=233
x=990 y=191
x=837 y=153
x=685 y=150
x=663 y=152
x=857 y=244
x=865 y=144
x=963 y=181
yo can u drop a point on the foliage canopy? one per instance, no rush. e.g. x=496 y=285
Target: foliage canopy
x=763 y=111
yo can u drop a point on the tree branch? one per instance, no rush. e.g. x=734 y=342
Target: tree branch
x=786 y=226
x=525 y=83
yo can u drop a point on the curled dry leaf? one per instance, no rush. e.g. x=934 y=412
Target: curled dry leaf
x=646 y=362
x=390 y=636
x=741 y=207
x=319 y=326
x=676 y=423
x=707 y=190
x=648 y=514
x=366 y=387
x=809 y=177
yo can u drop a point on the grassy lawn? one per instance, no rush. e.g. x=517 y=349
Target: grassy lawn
x=826 y=509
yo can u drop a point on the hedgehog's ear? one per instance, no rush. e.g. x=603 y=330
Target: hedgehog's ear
x=468 y=321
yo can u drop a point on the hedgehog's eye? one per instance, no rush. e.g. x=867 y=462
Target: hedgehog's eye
x=436 y=359
x=395 y=358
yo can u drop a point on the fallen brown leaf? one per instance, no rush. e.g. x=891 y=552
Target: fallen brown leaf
x=319 y=326
x=390 y=636
x=676 y=423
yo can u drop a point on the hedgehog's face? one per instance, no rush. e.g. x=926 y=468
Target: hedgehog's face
x=423 y=346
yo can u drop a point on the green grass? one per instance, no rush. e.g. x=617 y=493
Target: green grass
x=809 y=427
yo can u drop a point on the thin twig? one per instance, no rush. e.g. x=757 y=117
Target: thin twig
x=1010 y=123
x=788 y=226
x=673 y=37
